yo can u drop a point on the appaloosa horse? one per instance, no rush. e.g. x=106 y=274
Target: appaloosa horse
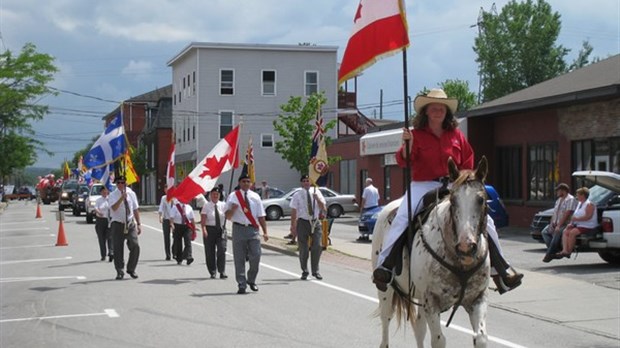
x=449 y=262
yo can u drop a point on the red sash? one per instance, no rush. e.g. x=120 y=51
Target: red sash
x=246 y=211
x=184 y=218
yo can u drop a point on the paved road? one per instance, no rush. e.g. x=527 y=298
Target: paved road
x=64 y=297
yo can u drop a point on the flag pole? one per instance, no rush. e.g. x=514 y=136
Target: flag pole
x=407 y=169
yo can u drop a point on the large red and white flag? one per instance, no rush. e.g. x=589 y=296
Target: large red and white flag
x=222 y=158
x=379 y=30
x=170 y=172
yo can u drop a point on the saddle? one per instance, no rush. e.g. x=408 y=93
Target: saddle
x=429 y=201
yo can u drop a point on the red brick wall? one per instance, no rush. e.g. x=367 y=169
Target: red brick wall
x=163 y=144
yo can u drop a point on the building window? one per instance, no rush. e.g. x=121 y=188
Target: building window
x=266 y=140
x=268 y=82
x=194 y=82
x=543 y=171
x=226 y=123
x=348 y=174
x=509 y=171
x=311 y=82
x=387 y=184
x=194 y=132
x=227 y=82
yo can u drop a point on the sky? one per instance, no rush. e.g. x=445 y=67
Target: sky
x=110 y=51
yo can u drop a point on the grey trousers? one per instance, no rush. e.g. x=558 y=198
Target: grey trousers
x=246 y=244
x=304 y=231
x=118 y=237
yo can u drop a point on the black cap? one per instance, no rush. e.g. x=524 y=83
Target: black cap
x=303 y=177
x=216 y=189
x=243 y=176
x=562 y=186
x=120 y=178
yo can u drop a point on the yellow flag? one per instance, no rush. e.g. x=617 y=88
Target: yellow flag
x=130 y=172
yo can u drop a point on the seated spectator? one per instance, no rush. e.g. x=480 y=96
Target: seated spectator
x=584 y=220
x=563 y=210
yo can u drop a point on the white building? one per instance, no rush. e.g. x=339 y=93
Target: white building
x=218 y=85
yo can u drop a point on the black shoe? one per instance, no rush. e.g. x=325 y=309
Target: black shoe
x=179 y=262
x=548 y=258
x=102 y=258
x=110 y=258
x=168 y=258
x=292 y=242
x=317 y=276
x=304 y=275
x=189 y=261
x=119 y=275
x=212 y=275
x=381 y=277
x=253 y=286
x=241 y=291
x=288 y=236
x=223 y=276
x=133 y=274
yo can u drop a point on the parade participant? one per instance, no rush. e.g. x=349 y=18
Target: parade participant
x=213 y=222
x=245 y=209
x=125 y=225
x=306 y=206
x=435 y=138
x=164 y=220
x=102 y=224
x=183 y=225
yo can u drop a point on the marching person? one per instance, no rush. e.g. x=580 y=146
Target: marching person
x=370 y=196
x=183 y=225
x=212 y=221
x=306 y=206
x=102 y=224
x=245 y=209
x=164 y=220
x=125 y=225
x=435 y=138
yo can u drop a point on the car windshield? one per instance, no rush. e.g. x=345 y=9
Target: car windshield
x=598 y=194
x=70 y=185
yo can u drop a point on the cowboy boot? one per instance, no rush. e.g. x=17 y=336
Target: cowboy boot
x=504 y=280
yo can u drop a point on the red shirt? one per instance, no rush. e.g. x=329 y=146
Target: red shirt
x=429 y=156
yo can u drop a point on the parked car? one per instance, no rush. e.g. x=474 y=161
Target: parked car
x=79 y=199
x=274 y=192
x=93 y=193
x=65 y=196
x=337 y=204
x=497 y=211
x=599 y=195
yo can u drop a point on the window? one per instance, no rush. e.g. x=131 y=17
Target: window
x=226 y=123
x=348 y=173
x=194 y=132
x=509 y=172
x=387 y=183
x=269 y=82
x=227 y=82
x=266 y=140
x=543 y=171
x=311 y=81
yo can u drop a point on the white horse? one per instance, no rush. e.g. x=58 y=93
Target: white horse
x=449 y=262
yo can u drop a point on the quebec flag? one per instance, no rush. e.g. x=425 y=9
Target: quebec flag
x=104 y=175
x=110 y=145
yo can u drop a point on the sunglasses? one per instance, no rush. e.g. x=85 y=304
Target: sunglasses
x=120 y=182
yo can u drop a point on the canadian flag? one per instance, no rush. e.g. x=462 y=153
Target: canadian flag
x=170 y=172
x=222 y=158
x=379 y=30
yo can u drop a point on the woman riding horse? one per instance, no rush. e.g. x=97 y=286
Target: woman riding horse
x=435 y=138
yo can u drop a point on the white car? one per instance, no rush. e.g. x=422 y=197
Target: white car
x=93 y=194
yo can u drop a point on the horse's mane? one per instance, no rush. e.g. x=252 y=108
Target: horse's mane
x=464 y=176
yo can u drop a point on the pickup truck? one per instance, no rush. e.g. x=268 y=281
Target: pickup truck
x=606 y=242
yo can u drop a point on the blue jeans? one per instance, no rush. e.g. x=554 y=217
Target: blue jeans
x=552 y=240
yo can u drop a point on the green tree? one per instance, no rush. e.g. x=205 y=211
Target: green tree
x=23 y=79
x=296 y=125
x=517 y=48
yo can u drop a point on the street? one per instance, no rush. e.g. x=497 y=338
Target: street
x=63 y=296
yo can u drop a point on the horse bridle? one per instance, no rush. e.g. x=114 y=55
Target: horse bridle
x=462 y=274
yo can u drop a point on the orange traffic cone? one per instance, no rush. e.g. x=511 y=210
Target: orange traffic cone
x=38 y=216
x=62 y=239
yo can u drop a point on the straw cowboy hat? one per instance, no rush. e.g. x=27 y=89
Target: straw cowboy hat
x=436 y=95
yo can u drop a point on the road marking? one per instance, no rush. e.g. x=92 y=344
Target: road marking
x=28 y=246
x=35 y=260
x=111 y=313
x=27 y=279
x=30 y=235
x=25 y=229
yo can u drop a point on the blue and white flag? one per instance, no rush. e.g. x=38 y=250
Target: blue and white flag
x=104 y=175
x=110 y=145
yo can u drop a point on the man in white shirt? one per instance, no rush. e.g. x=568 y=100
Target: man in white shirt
x=182 y=226
x=164 y=220
x=245 y=209
x=562 y=212
x=213 y=222
x=370 y=196
x=125 y=225
x=306 y=206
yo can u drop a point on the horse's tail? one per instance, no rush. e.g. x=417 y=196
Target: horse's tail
x=403 y=306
